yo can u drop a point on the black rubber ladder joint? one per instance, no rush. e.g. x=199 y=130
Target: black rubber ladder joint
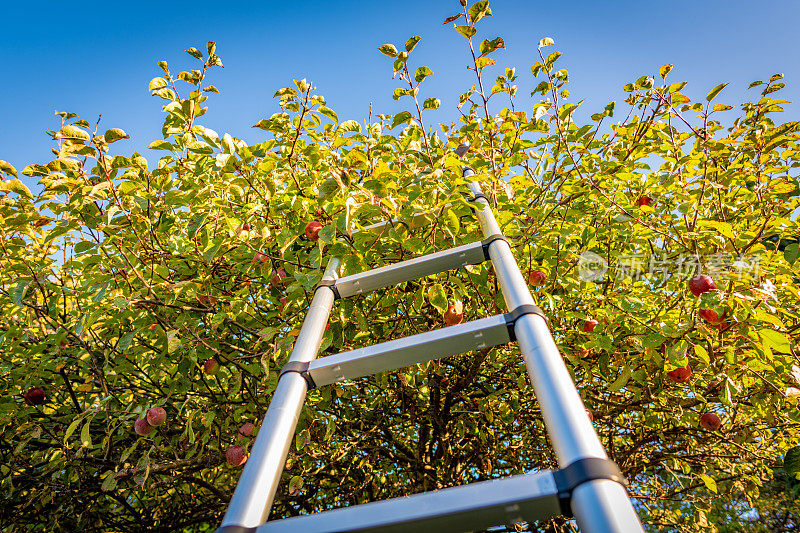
x=583 y=470
x=298 y=368
x=485 y=243
x=331 y=284
x=513 y=316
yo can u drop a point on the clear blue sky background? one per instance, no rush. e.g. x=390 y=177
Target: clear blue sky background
x=97 y=58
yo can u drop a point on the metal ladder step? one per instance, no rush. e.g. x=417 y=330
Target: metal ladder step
x=436 y=344
x=468 y=254
x=506 y=501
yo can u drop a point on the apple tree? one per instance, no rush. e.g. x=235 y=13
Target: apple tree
x=147 y=306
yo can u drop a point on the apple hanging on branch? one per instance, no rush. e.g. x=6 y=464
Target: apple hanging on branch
x=680 y=375
x=710 y=421
x=589 y=325
x=156 y=416
x=34 y=396
x=142 y=427
x=235 y=455
x=454 y=314
x=312 y=230
x=701 y=284
x=537 y=278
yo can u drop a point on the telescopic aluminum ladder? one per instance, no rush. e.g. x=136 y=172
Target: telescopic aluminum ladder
x=587 y=485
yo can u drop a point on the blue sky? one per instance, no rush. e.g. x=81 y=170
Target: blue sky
x=97 y=58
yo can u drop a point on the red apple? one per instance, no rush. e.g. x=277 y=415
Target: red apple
x=454 y=314
x=235 y=455
x=153 y=326
x=312 y=230
x=590 y=415
x=282 y=302
x=644 y=200
x=247 y=429
x=156 y=416
x=589 y=325
x=700 y=284
x=680 y=375
x=211 y=366
x=34 y=396
x=277 y=278
x=710 y=421
x=709 y=315
x=537 y=277
x=142 y=428
x=247 y=226
x=63 y=344
x=260 y=258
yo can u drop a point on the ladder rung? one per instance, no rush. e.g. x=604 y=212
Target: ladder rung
x=399 y=353
x=472 y=507
x=468 y=254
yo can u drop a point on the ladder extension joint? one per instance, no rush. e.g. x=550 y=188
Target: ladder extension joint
x=488 y=242
x=331 y=284
x=475 y=198
x=298 y=368
x=583 y=470
x=513 y=316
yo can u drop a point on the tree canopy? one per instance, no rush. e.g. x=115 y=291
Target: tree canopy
x=180 y=283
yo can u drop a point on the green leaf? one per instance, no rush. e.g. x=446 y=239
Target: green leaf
x=195 y=225
x=388 y=50
x=157 y=83
x=173 y=341
x=431 y=103
x=791 y=461
x=328 y=112
x=348 y=126
x=412 y=42
x=775 y=340
x=401 y=117
x=478 y=10
x=72 y=132
x=710 y=483
x=86 y=436
x=715 y=91
x=487 y=46
x=791 y=252
x=18 y=294
x=15 y=185
x=421 y=73
x=194 y=52
x=437 y=297
x=125 y=342
x=110 y=482
x=115 y=134
x=466 y=31
x=453 y=224
x=547 y=41
x=71 y=428
x=8 y=168
x=623 y=379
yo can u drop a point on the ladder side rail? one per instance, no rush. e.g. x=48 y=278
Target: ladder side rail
x=256 y=488
x=600 y=506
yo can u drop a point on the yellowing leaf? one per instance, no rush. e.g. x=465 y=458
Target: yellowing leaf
x=547 y=41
